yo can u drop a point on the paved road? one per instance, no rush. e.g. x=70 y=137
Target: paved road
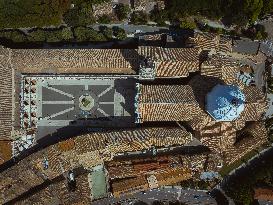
x=269 y=112
x=189 y=196
x=267 y=47
x=259 y=72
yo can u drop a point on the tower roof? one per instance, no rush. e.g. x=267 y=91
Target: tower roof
x=225 y=102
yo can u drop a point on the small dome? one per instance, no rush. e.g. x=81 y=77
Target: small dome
x=225 y=102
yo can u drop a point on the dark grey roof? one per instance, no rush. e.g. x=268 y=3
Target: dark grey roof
x=245 y=46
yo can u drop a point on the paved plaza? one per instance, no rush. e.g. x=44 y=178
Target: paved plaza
x=51 y=102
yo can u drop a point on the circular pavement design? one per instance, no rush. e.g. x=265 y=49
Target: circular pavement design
x=86 y=102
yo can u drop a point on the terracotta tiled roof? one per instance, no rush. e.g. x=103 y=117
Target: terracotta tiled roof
x=259 y=136
x=167 y=103
x=48 y=195
x=123 y=61
x=177 y=54
x=220 y=67
x=132 y=140
x=218 y=136
x=137 y=167
x=225 y=44
x=66 y=145
x=253 y=94
x=89 y=149
x=6 y=92
x=152 y=37
x=208 y=41
x=166 y=94
x=5 y=151
x=128 y=186
x=255 y=105
x=172 y=176
x=176 y=69
x=169 y=112
x=263 y=194
x=172 y=62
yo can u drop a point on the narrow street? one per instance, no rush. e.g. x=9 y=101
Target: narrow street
x=165 y=194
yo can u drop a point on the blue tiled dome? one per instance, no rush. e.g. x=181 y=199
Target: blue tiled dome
x=225 y=102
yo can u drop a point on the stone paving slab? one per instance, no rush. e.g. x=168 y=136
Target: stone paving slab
x=58 y=101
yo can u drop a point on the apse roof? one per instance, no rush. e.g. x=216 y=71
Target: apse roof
x=225 y=102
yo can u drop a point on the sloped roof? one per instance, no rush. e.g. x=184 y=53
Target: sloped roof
x=123 y=61
x=6 y=93
x=172 y=62
x=220 y=67
x=166 y=94
x=259 y=133
x=89 y=150
x=167 y=103
x=208 y=41
x=263 y=194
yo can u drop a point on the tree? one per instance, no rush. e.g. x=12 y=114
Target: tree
x=159 y=16
x=253 y=9
x=178 y=9
x=119 y=33
x=87 y=34
x=122 y=11
x=53 y=36
x=31 y=13
x=270 y=136
x=81 y=34
x=188 y=25
x=98 y=1
x=18 y=36
x=67 y=34
x=79 y=16
x=15 y=36
x=258 y=35
x=107 y=32
x=269 y=123
x=255 y=32
x=38 y=35
x=139 y=18
x=104 y=19
x=267 y=7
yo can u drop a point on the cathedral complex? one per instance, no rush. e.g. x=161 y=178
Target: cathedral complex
x=122 y=120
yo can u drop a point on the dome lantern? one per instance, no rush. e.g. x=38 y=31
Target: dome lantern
x=225 y=102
